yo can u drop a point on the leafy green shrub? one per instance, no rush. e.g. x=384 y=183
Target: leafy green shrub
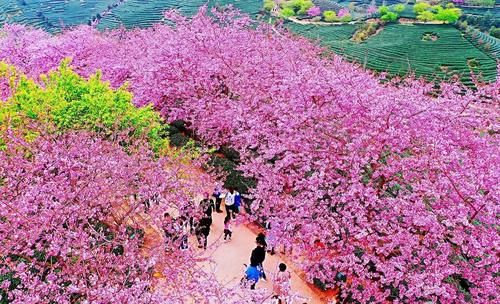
x=64 y=100
x=287 y=12
x=399 y=8
x=449 y=15
x=389 y=17
x=346 y=18
x=303 y=6
x=269 y=5
x=178 y=140
x=425 y=12
x=180 y=125
x=299 y=7
x=230 y=153
x=495 y=32
x=234 y=178
x=426 y=16
x=420 y=7
x=365 y=31
x=330 y=16
x=382 y=10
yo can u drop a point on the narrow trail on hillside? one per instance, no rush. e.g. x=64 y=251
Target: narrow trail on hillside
x=229 y=257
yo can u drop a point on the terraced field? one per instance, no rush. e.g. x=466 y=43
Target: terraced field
x=144 y=12
x=494 y=43
x=399 y=49
x=52 y=15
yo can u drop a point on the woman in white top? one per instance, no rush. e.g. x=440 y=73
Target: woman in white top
x=229 y=202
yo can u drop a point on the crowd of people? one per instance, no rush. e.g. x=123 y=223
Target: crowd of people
x=198 y=220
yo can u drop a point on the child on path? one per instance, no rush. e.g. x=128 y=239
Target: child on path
x=227 y=228
x=282 y=284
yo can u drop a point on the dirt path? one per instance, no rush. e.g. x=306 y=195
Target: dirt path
x=229 y=257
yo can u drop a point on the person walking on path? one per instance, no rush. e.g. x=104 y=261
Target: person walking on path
x=218 y=199
x=282 y=284
x=207 y=206
x=168 y=230
x=259 y=254
x=229 y=202
x=252 y=276
x=227 y=228
x=203 y=230
x=237 y=203
x=182 y=230
x=270 y=236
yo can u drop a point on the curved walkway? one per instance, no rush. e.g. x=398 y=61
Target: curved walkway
x=229 y=257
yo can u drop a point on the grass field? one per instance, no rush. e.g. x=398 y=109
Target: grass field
x=398 y=49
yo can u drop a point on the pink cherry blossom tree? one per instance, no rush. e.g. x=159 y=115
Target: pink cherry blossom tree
x=392 y=183
x=314 y=11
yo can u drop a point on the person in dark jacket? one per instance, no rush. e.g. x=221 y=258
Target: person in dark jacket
x=202 y=231
x=259 y=254
x=218 y=199
x=207 y=206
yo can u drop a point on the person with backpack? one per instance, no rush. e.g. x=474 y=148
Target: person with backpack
x=182 y=230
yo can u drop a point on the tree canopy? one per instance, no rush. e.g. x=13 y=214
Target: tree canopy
x=391 y=183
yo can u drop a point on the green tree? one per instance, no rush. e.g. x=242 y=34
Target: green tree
x=436 y=8
x=389 y=17
x=421 y=7
x=495 y=32
x=299 y=7
x=449 y=15
x=382 y=10
x=346 y=18
x=287 y=12
x=330 y=16
x=269 y=5
x=64 y=100
x=399 y=8
x=426 y=16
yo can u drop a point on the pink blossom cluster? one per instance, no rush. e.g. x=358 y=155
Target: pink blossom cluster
x=314 y=11
x=372 y=9
x=74 y=227
x=343 y=12
x=391 y=182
